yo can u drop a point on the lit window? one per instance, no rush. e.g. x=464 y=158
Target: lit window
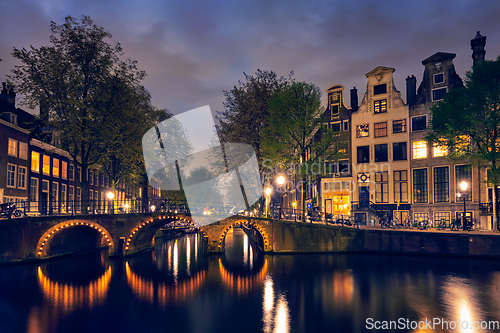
x=35 y=161
x=55 y=167
x=399 y=126
x=11 y=175
x=64 y=170
x=380 y=129
x=419 y=149
x=23 y=150
x=362 y=131
x=380 y=106
x=46 y=165
x=12 y=147
x=439 y=150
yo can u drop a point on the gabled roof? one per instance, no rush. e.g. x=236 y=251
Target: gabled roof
x=380 y=70
x=439 y=57
x=335 y=86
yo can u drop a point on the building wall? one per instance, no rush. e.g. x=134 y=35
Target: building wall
x=14 y=165
x=381 y=105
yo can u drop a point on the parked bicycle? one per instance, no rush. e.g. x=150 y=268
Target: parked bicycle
x=386 y=223
x=408 y=224
x=8 y=209
x=442 y=224
x=456 y=224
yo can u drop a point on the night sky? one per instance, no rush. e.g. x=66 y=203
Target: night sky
x=193 y=50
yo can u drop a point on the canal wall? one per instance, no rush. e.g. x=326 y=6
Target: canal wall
x=308 y=238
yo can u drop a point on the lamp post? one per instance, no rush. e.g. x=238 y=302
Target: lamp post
x=281 y=181
x=268 y=197
x=110 y=197
x=463 y=187
x=294 y=204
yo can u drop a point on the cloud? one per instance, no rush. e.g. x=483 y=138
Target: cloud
x=193 y=50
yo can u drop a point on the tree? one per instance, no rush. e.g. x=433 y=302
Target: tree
x=467 y=122
x=296 y=134
x=246 y=108
x=75 y=81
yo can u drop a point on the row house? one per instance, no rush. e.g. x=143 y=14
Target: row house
x=380 y=146
x=43 y=179
x=392 y=169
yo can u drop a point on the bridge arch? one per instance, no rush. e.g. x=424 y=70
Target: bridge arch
x=48 y=235
x=247 y=223
x=141 y=236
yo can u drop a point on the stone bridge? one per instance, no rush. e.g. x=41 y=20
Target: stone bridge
x=32 y=238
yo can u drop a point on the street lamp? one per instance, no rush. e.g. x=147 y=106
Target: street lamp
x=463 y=187
x=281 y=181
x=110 y=196
x=268 y=193
x=294 y=204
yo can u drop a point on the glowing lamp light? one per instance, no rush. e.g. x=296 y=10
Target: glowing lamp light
x=281 y=180
x=110 y=195
x=152 y=208
x=464 y=185
x=268 y=191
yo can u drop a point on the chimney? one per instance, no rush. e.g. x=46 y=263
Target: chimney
x=12 y=96
x=411 y=89
x=477 y=46
x=354 y=99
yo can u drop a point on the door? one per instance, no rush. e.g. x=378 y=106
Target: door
x=364 y=196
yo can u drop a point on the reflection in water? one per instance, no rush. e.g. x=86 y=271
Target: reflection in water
x=285 y=293
x=242 y=284
x=277 y=318
x=460 y=302
x=68 y=296
x=146 y=289
x=172 y=277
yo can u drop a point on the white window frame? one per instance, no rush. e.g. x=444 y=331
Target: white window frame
x=25 y=150
x=90 y=178
x=9 y=172
x=426 y=151
x=345 y=124
x=23 y=176
x=426 y=122
x=434 y=78
x=79 y=173
x=432 y=93
x=34 y=181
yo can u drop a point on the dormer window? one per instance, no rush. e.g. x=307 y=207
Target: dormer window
x=439 y=78
x=380 y=106
x=380 y=89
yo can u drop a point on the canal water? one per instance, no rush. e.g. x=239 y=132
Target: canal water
x=175 y=288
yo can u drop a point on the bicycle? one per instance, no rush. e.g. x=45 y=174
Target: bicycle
x=408 y=223
x=385 y=222
x=423 y=224
x=442 y=224
x=455 y=225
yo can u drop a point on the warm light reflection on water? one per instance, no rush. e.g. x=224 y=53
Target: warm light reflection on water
x=461 y=303
x=275 y=319
x=147 y=290
x=68 y=296
x=242 y=284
